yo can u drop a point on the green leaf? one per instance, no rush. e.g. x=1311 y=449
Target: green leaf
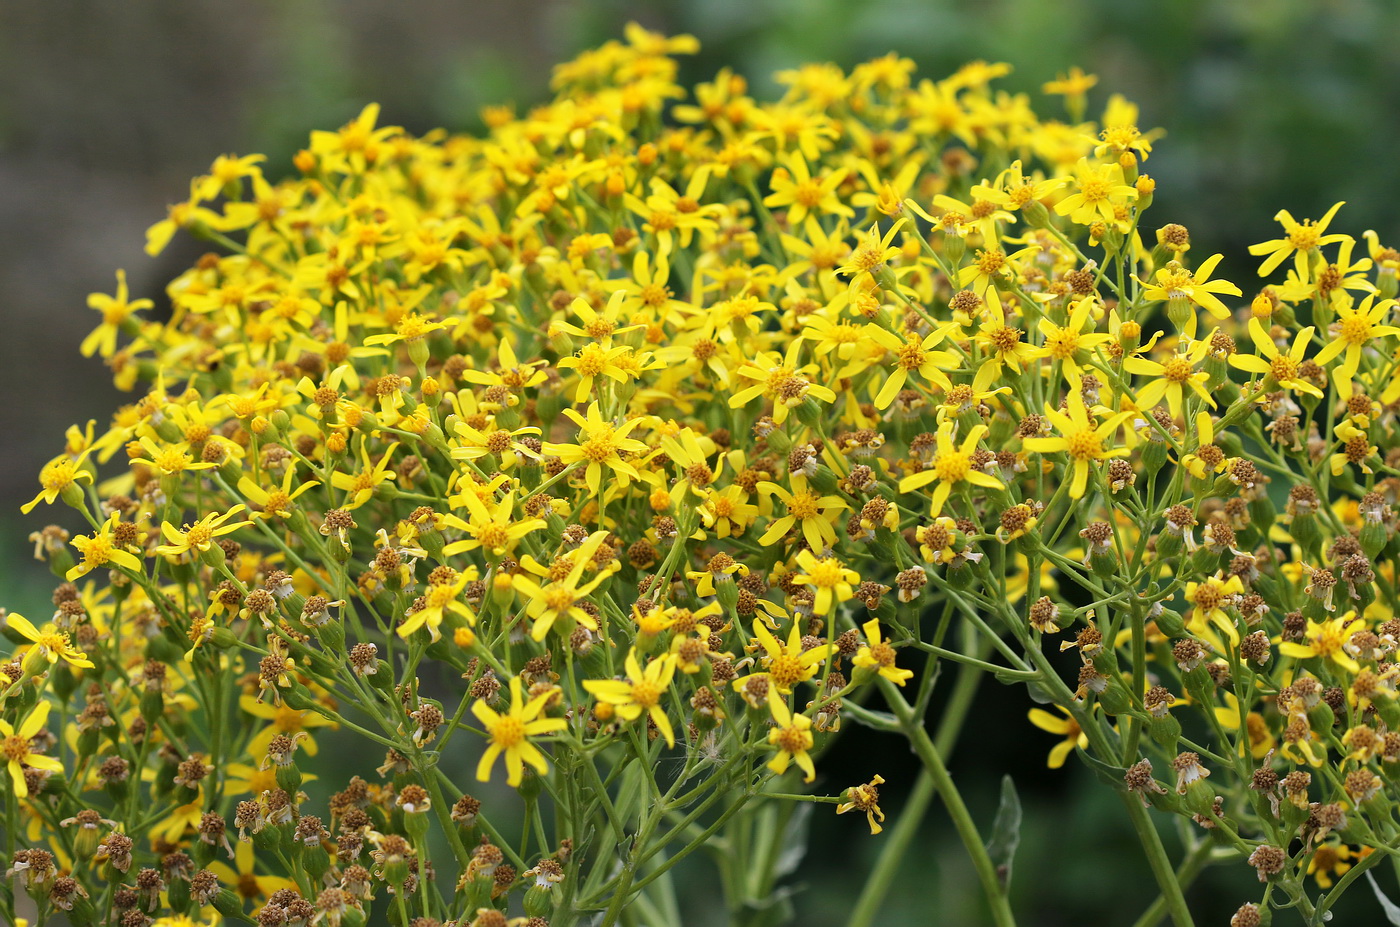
x=1110 y=775
x=1391 y=909
x=1006 y=831
x=794 y=840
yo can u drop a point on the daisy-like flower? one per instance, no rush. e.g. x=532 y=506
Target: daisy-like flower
x=18 y=750
x=1208 y=597
x=877 y=654
x=440 y=599
x=801 y=193
x=50 y=645
x=914 y=355
x=198 y=538
x=1069 y=344
x=561 y=595
x=814 y=514
x=792 y=735
x=1178 y=286
x=786 y=665
x=600 y=444
x=101 y=550
x=832 y=579
x=951 y=465
x=492 y=526
x=360 y=486
x=276 y=503
x=115 y=312
x=780 y=379
x=1096 y=187
x=510 y=734
x=57 y=476
x=1173 y=376
x=1300 y=239
x=1079 y=437
x=865 y=798
x=1357 y=327
x=1328 y=640
x=640 y=692
x=1278 y=367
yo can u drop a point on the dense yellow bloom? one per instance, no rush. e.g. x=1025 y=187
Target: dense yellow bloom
x=199 y=537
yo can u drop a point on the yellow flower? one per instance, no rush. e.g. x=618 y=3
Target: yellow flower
x=951 y=465
x=601 y=444
x=877 y=654
x=640 y=692
x=199 y=537
x=100 y=550
x=1300 y=239
x=786 y=665
x=17 y=746
x=1178 y=286
x=1327 y=639
x=796 y=188
x=560 y=597
x=245 y=882
x=1070 y=344
x=1067 y=726
x=50 y=644
x=865 y=798
x=1209 y=597
x=492 y=527
x=913 y=355
x=510 y=734
x=812 y=513
x=1096 y=188
x=1332 y=859
x=361 y=485
x=1172 y=377
x=440 y=598
x=1356 y=327
x=278 y=502
x=1080 y=438
x=1277 y=366
x=57 y=476
x=792 y=735
x=831 y=578
x=115 y=312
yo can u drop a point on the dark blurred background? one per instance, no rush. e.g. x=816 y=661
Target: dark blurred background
x=107 y=110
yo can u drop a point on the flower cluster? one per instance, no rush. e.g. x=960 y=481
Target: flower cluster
x=630 y=448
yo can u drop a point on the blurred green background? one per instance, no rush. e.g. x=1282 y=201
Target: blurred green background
x=107 y=110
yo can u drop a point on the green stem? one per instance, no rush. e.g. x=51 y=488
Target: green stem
x=952 y=801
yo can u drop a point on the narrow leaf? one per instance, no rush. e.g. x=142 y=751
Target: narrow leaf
x=1006 y=831
x=1391 y=909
